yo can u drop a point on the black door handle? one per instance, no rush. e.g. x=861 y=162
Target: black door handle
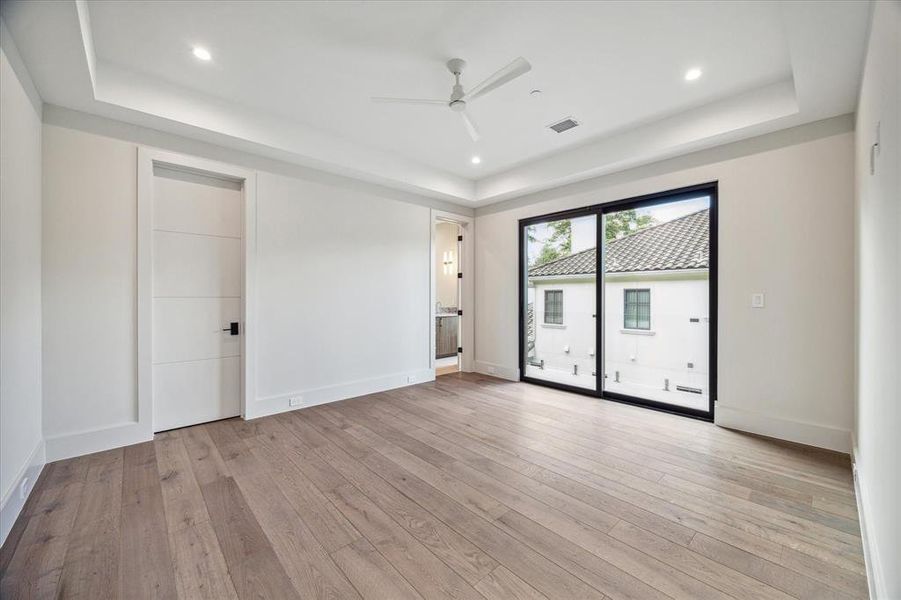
x=232 y=328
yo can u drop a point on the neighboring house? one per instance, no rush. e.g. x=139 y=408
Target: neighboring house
x=655 y=306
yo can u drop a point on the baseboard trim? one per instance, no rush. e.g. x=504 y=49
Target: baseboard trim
x=14 y=501
x=495 y=370
x=69 y=445
x=875 y=582
x=811 y=434
x=272 y=405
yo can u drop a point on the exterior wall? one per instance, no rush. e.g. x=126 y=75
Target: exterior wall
x=573 y=343
x=643 y=358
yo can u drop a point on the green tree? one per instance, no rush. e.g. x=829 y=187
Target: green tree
x=559 y=242
x=625 y=222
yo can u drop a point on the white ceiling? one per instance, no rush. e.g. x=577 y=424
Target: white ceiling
x=293 y=79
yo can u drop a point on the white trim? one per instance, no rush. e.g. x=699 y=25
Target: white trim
x=467 y=285
x=496 y=370
x=811 y=434
x=873 y=564
x=19 y=68
x=13 y=502
x=272 y=405
x=147 y=158
x=68 y=445
x=638 y=331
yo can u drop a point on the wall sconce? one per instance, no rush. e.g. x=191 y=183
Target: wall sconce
x=448 y=262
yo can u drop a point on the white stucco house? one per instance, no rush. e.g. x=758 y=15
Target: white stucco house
x=655 y=311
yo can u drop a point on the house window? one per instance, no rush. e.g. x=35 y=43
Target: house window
x=553 y=307
x=637 y=304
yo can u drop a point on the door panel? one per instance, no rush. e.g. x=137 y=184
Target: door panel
x=559 y=301
x=196 y=206
x=656 y=292
x=197 y=287
x=186 y=265
x=186 y=393
x=191 y=328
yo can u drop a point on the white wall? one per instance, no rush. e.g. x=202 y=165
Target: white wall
x=786 y=228
x=342 y=287
x=21 y=444
x=878 y=258
x=342 y=275
x=90 y=192
x=446 y=283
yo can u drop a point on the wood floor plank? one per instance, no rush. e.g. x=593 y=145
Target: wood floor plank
x=371 y=574
x=729 y=581
x=329 y=526
x=460 y=554
x=791 y=582
x=91 y=567
x=491 y=459
x=181 y=493
x=37 y=563
x=827 y=544
x=200 y=569
x=145 y=564
x=422 y=569
x=502 y=584
x=310 y=569
x=466 y=487
x=254 y=568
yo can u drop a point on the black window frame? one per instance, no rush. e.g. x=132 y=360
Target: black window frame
x=638 y=304
x=558 y=304
x=709 y=189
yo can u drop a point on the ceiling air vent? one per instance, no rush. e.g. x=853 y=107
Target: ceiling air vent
x=561 y=126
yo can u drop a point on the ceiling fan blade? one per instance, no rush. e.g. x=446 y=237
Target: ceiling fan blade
x=408 y=101
x=470 y=127
x=518 y=67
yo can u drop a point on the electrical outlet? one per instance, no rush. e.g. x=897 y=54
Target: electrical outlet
x=411 y=379
x=295 y=401
x=758 y=300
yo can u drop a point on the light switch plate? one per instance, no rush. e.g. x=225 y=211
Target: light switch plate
x=758 y=300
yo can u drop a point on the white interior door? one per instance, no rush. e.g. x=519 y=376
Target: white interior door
x=197 y=283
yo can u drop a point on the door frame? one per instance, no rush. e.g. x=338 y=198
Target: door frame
x=148 y=158
x=599 y=210
x=467 y=287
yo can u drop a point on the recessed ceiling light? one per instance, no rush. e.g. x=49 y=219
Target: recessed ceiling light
x=476 y=160
x=202 y=53
x=692 y=74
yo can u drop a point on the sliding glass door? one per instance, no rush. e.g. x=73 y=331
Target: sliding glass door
x=560 y=261
x=653 y=307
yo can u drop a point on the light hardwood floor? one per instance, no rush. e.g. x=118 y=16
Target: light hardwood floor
x=468 y=487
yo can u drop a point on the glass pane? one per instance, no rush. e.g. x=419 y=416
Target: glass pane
x=656 y=322
x=560 y=301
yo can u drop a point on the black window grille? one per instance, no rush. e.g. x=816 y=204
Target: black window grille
x=637 y=309
x=553 y=307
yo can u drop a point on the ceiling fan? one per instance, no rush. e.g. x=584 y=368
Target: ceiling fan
x=459 y=98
